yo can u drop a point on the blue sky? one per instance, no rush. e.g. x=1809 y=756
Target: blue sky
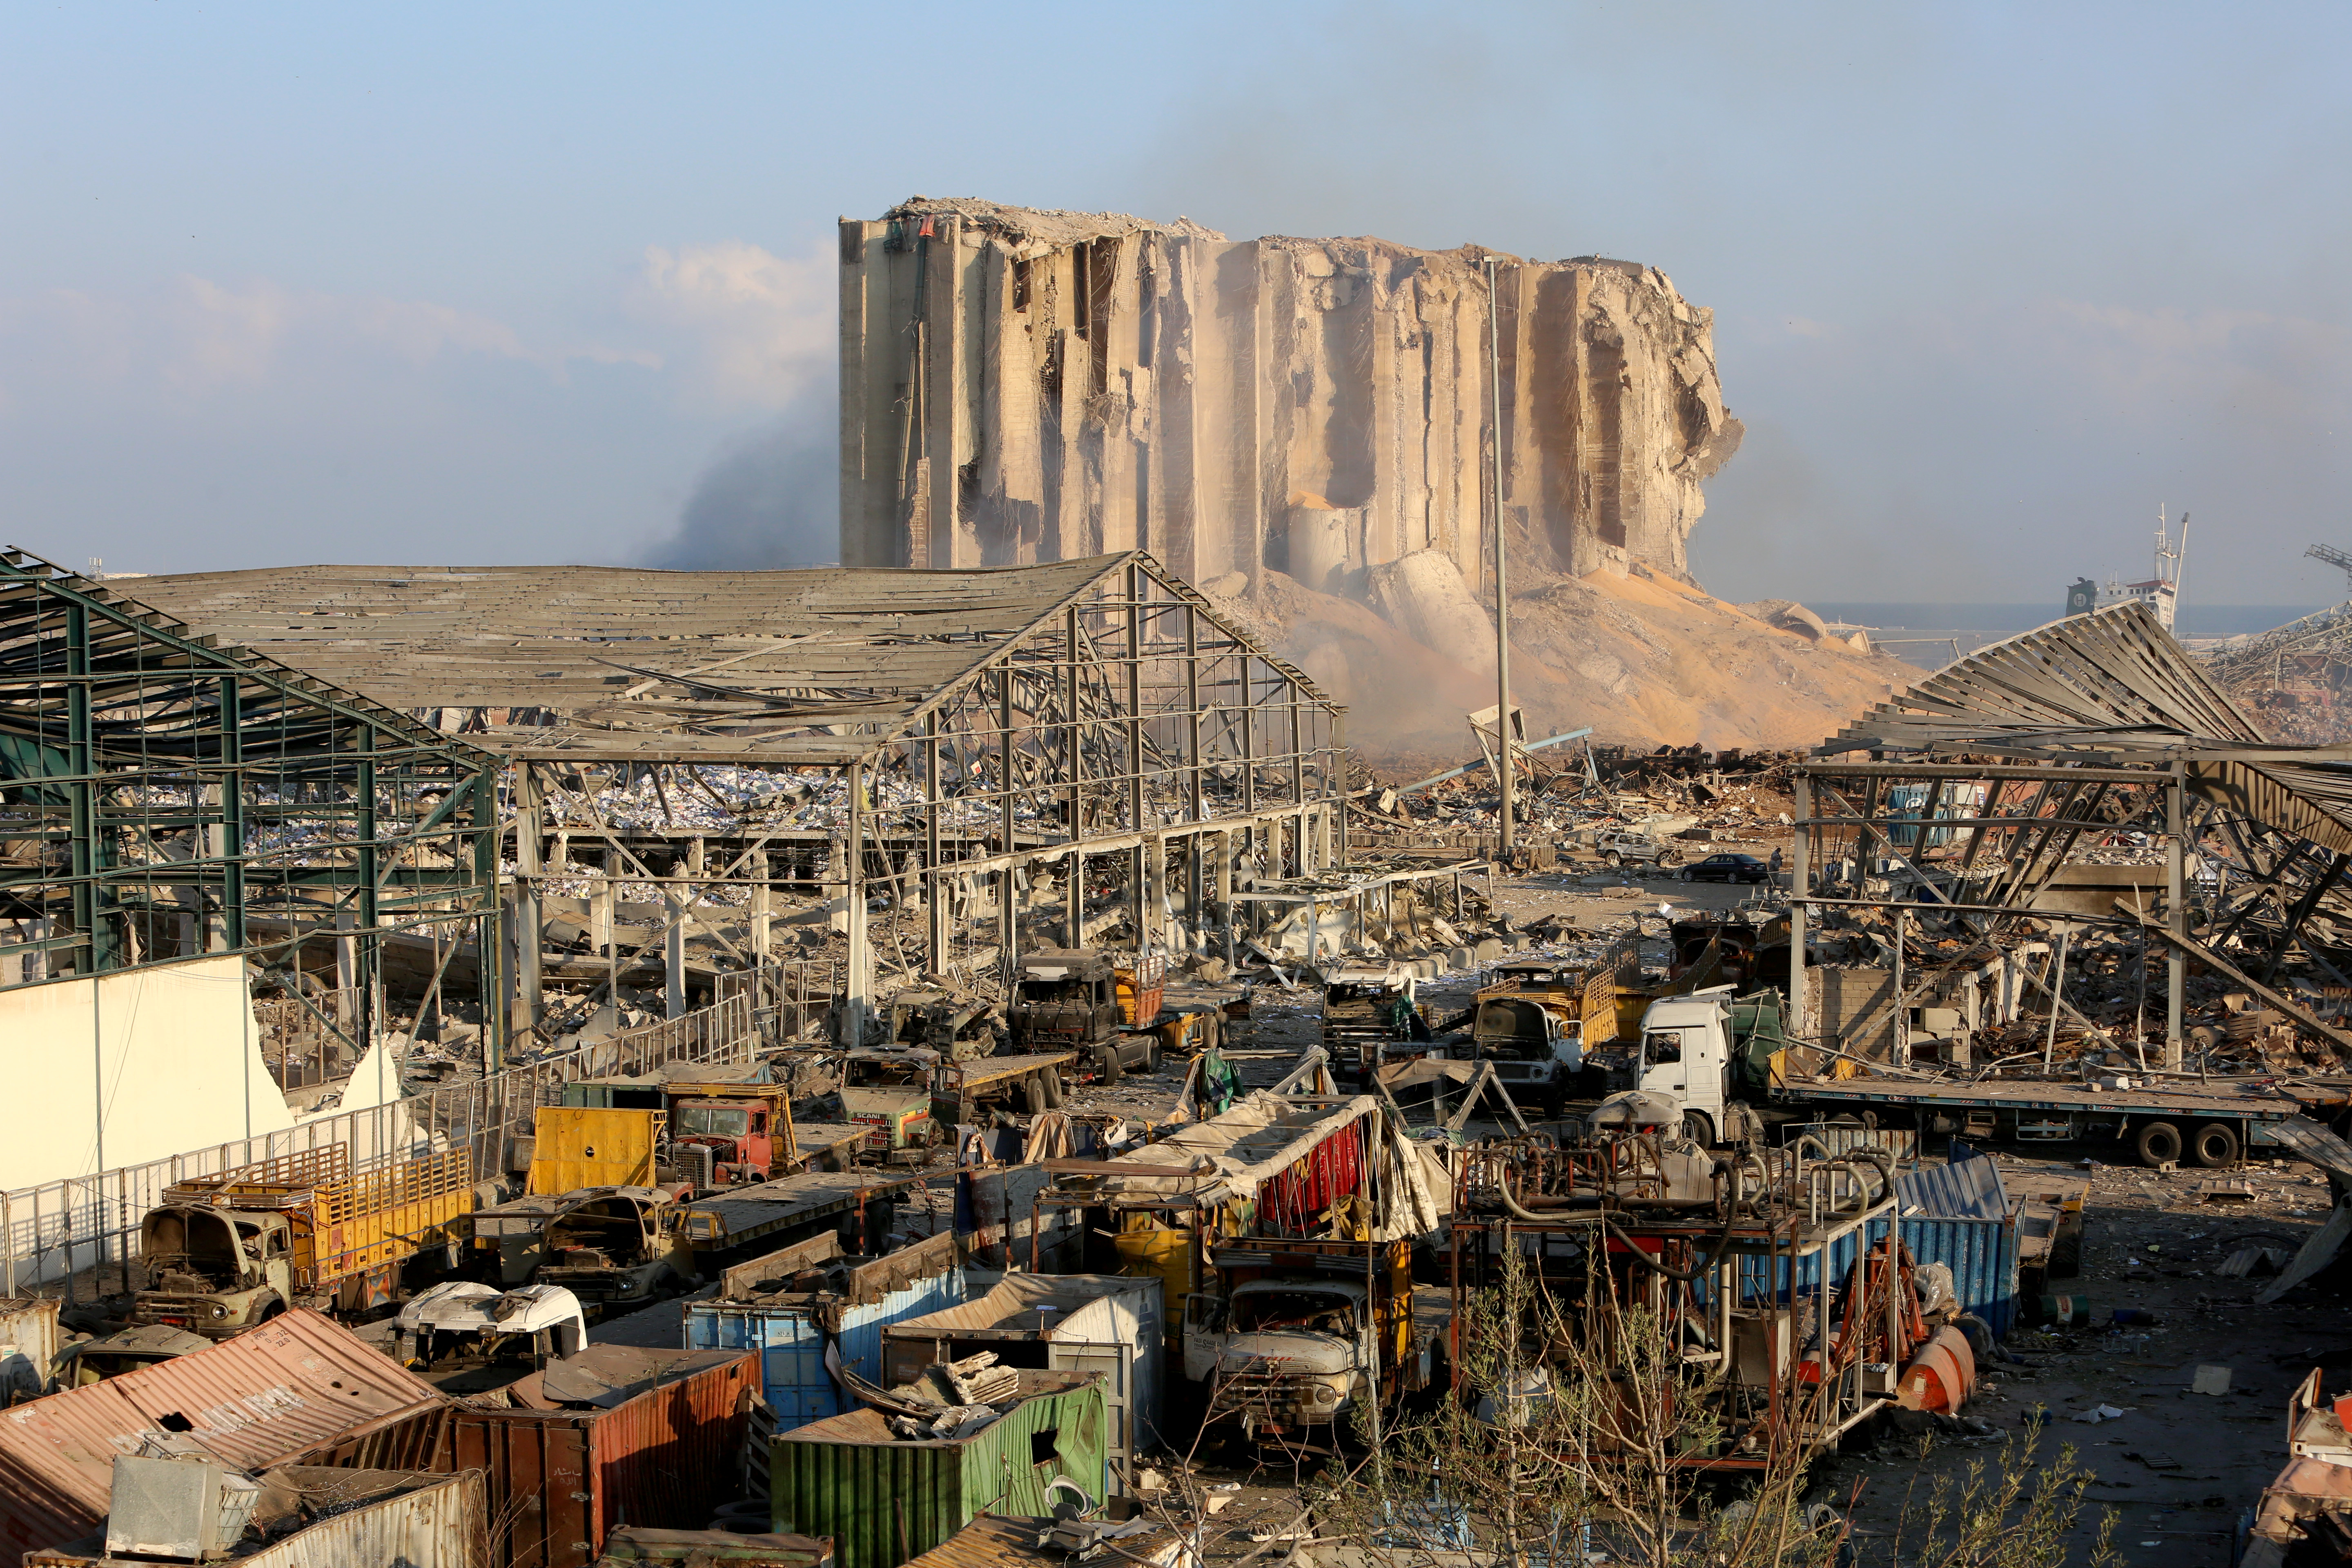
x=475 y=284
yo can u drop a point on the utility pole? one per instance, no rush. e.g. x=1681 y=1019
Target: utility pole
x=1502 y=581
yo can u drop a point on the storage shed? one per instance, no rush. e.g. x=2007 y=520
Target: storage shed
x=788 y=1305
x=884 y=1500
x=1107 y=1323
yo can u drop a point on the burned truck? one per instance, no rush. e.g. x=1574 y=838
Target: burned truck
x=610 y=1247
x=226 y=1252
x=1530 y=1024
x=1370 y=1017
x=1082 y=1000
x=888 y=1092
x=957 y=1024
x=1299 y=1340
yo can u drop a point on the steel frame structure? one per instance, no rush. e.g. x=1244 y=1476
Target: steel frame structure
x=164 y=796
x=2089 y=725
x=940 y=739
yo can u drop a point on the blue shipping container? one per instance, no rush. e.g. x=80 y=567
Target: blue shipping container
x=787 y=1331
x=1981 y=1253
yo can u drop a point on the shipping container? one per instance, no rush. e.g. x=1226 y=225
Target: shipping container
x=665 y=1450
x=1107 y=1323
x=1981 y=1253
x=299 y=1385
x=1968 y=1185
x=791 y=1327
x=375 y=1519
x=885 y=1500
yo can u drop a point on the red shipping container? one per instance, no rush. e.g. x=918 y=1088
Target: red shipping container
x=663 y=1458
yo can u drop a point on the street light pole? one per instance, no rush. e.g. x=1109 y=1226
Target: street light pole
x=1502 y=582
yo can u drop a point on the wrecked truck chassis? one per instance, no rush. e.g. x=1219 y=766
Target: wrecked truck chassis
x=2164 y=1125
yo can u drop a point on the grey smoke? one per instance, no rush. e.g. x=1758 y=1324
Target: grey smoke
x=769 y=498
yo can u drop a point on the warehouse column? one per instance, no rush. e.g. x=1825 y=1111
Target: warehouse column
x=529 y=821
x=858 y=983
x=1800 y=887
x=2176 y=916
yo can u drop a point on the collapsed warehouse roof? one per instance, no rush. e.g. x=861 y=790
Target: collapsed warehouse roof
x=976 y=723
x=1986 y=778
x=2113 y=688
x=797 y=667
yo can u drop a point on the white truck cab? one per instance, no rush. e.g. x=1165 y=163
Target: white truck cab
x=1686 y=1057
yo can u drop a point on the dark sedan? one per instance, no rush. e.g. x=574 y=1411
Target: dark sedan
x=1727 y=869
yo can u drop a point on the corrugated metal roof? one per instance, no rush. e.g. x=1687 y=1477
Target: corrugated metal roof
x=2113 y=685
x=590 y=660
x=297 y=1383
x=1969 y=1188
x=1019 y=1294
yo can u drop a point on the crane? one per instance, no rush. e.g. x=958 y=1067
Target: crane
x=2334 y=557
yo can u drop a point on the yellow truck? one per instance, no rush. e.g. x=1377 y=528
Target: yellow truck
x=226 y=1252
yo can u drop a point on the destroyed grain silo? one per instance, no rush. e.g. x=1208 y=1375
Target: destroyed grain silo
x=1313 y=431
x=1024 y=385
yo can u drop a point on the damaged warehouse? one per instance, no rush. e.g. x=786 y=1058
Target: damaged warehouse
x=192 y=826
x=940 y=767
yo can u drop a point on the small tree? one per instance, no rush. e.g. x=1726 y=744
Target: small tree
x=1581 y=1433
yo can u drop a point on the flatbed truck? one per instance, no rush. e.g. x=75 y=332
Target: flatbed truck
x=1715 y=1062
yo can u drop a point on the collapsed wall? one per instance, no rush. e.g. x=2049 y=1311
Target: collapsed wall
x=1020 y=386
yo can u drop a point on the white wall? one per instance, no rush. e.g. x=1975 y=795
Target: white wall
x=170 y=1051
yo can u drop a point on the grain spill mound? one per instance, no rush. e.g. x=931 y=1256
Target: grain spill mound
x=1643 y=659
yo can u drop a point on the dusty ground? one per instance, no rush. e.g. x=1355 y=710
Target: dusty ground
x=1639 y=656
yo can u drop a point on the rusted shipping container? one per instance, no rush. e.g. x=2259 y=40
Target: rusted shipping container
x=298 y=1386
x=388 y=1520
x=665 y=1455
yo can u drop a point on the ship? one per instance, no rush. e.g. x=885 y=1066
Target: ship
x=2160 y=594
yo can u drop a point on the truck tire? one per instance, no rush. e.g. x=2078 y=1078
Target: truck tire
x=1107 y=1062
x=1698 y=1129
x=1033 y=1088
x=2214 y=1146
x=2159 y=1144
x=1152 y=1054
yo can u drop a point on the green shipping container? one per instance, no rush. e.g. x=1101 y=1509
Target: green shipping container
x=885 y=1499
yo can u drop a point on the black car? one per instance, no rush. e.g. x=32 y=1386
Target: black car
x=1727 y=869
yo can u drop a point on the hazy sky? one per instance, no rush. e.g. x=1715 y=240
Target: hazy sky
x=470 y=284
